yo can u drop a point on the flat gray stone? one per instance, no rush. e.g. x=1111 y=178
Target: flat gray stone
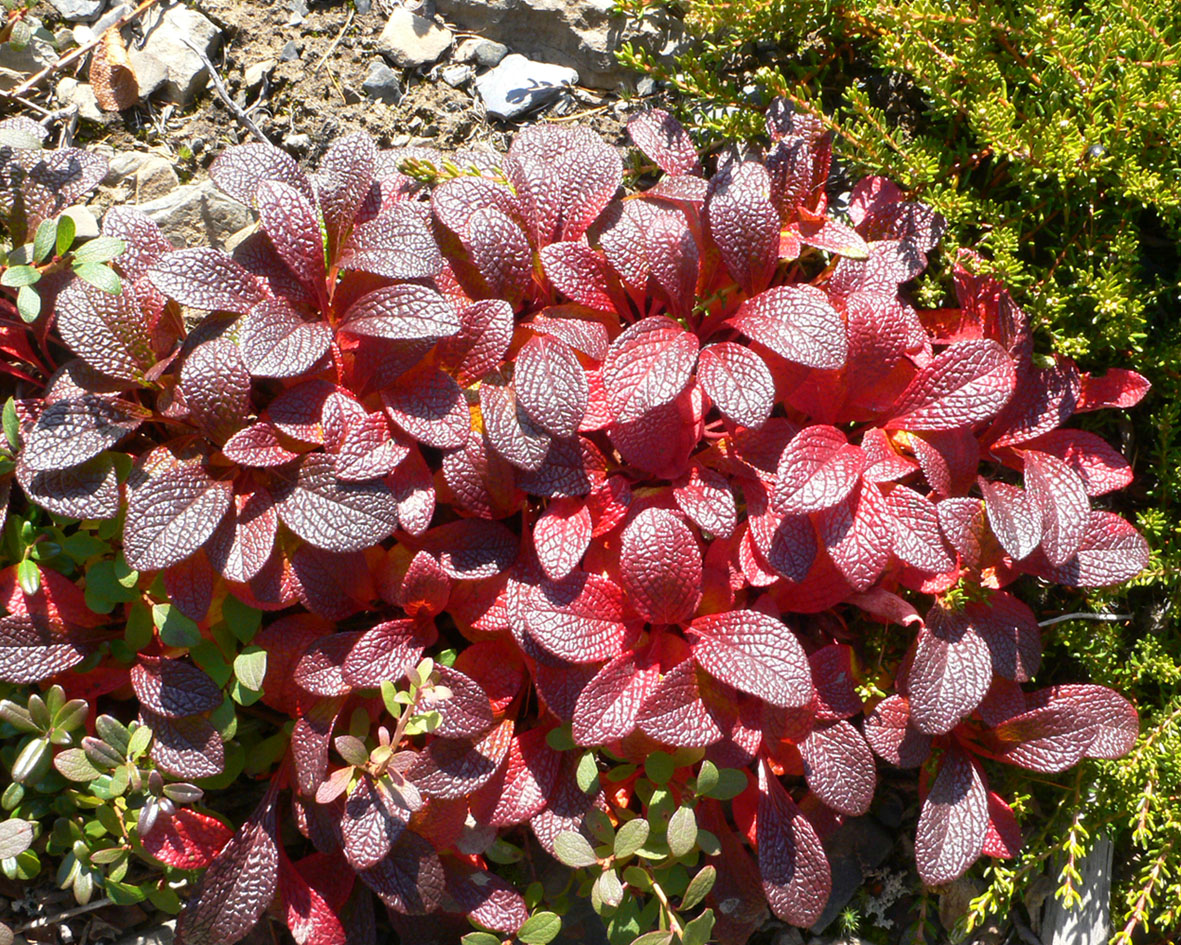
x=410 y=40
x=166 y=64
x=163 y=934
x=16 y=65
x=382 y=84
x=72 y=92
x=78 y=10
x=519 y=85
x=457 y=75
x=1089 y=923
x=198 y=214
x=482 y=52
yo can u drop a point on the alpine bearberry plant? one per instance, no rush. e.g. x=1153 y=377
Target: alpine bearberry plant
x=571 y=516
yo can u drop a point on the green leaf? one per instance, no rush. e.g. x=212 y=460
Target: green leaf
x=600 y=826
x=164 y=899
x=480 y=938
x=699 y=887
x=124 y=894
x=28 y=304
x=175 y=628
x=138 y=744
x=574 y=849
x=28 y=576
x=137 y=632
x=560 y=738
x=99 y=275
x=81 y=546
x=101 y=249
x=610 y=888
x=731 y=783
x=707 y=777
x=654 y=938
x=503 y=852
x=211 y=659
x=250 y=667
x=16 y=836
x=587 y=773
x=682 y=831
x=242 y=620
x=708 y=843
x=630 y=837
x=389 y=697
x=11 y=424
x=352 y=750
x=15 y=276
x=65 y=234
x=539 y=929
x=74 y=765
x=659 y=767
x=699 y=930
x=44 y=241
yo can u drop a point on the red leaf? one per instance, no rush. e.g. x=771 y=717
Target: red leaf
x=311 y=915
x=388 y=650
x=754 y=653
x=1118 y=387
x=647 y=367
x=817 y=470
x=520 y=788
x=485 y=333
x=609 y=705
x=705 y=497
x=1100 y=467
x=71 y=431
x=187 y=839
x=329 y=512
x=1013 y=636
x=215 y=388
x=839 y=767
x=277 y=341
x=108 y=332
x=660 y=566
x=795 y=871
x=374 y=818
x=579 y=619
x=796 y=322
x=510 y=430
x=1003 y=837
x=1053 y=487
x=257 y=446
x=170 y=514
x=744 y=223
x=551 y=385
x=452 y=769
x=241 y=545
x=185 y=748
x=1013 y=518
x=410 y=880
x=470 y=549
x=1112 y=551
x=953 y=822
x=857 y=535
x=674 y=712
x=403 y=312
x=739 y=383
x=917 y=538
x=429 y=405
x=561 y=535
x=950 y=674
x=892 y=737
x=206 y=279
x=173 y=688
x=786 y=542
x=291 y=224
x=579 y=273
x=967 y=382
x=664 y=140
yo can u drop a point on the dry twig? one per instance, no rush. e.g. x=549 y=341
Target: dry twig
x=223 y=93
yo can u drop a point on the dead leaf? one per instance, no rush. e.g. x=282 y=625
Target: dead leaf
x=111 y=75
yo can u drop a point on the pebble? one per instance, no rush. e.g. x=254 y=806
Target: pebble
x=483 y=52
x=289 y=52
x=297 y=142
x=75 y=10
x=382 y=84
x=646 y=86
x=165 y=63
x=72 y=92
x=256 y=72
x=410 y=40
x=519 y=85
x=457 y=76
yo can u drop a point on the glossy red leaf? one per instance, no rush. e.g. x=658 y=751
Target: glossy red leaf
x=1012 y=634
x=950 y=673
x=818 y=469
x=242 y=543
x=953 y=821
x=466 y=713
x=510 y=430
x=470 y=549
x=429 y=406
x=1003 y=837
x=1117 y=387
x=660 y=566
x=647 y=367
x=258 y=446
x=373 y=820
x=967 y=382
x=71 y=431
x=857 y=535
x=744 y=224
x=787 y=543
x=207 y=279
x=410 y=880
x=579 y=273
x=186 y=839
x=839 y=767
x=674 y=712
x=797 y=322
x=311 y=894
x=520 y=788
x=892 y=737
x=388 y=650
x=277 y=341
x=739 y=383
x=397 y=244
x=1013 y=518
x=663 y=139
x=917 y=538
x=754 y=653
x=215 y=388
x=239 y=170
x=704 y=495
x=290 y=221
x=796 y=876
x=1111 y=552
x=561 y=535
x=1055 y=489
x=580 y=619
x=1100 y=467
x=31 y=651
x=170 y=514
x=609 y=705
x=403 y=312
x=551 y=385
x=485 y=333
x=450 y=768
x=108 y=332
x=186 y=748
x=329 y=512
x=297 y=411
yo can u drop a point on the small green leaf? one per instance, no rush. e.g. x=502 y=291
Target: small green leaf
x=175 y=628
x=209 y=657
x=28 y=304
x=137 y=632
x=389 y=697
x=699 y=887
x=140 y=739
x=11 y=424
x=659 y=767
x=101 y=249
x=243 y=621
x=28 y=576
x=351 y=750
x=731 y=783
x=630 y=837
x=654 y=938
x=164 y=899
x=699 y=930
x=100 y=276
x=708 y=843
x=610 y=888
x=600 y=826
x=503 y=852
x=124 y=894
x=108 y=855
x=539 y=929
x=682 y=831
x=574 y=849
x=250 y=667
x=65 y=234
x=560 y=738
x=15 y=276
x=707 y=777
x=480 y=938
x=587 y=773
x=16 y=836
x=44 y=241
x=80 y=546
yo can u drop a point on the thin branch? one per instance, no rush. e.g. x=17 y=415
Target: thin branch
x=33 y=81
x=1098 y=618
x=243 y=119
x=336 y=42
x=48 y=920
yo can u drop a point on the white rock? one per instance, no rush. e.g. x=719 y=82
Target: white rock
x=410 y=40
x=74 y=10
x=518 y=85
x=457 y=76
x=166 y=64
x=85 y=225
x=72 y=92
x=257 y=71
x=198 y=215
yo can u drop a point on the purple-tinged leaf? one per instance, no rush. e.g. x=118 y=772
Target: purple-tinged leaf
x=452 y=768
x=242 y=543
x=500 y=252
x=89 y=490
x=917 y=538
x=572 y=467
x=71 y=431
x=675 y=714
x=414 y=492
x=401 y=312
x=428 y=405
x=398 y=244
x=109 y=332
x=660 y=566
x=967 y=382
x=755 y=653
x=207 y=279
x=609 y=705
x=277 y=341
x=561 y=535
x=892 y=737
x=962 y=521
x=953 y=821
x=739 y=383
x=1112 y=551
x=186 y=748
x=329 y=512
x=786 y=542
x=950 y=673
x=839 y=767
x=797 y=323
x=551 y=385
x=320 y=671
x=470 y=549
x=1100 y=467
x=1045 y=400
x=580 y=619
x=215 y=388
x=485 y=333
x=857 y=536
x=466 y=713
x=373 y=820
x=368 y=450
x=510 y=430
x=648 y=366
x=1013 y=518
x=173 y=688
x=344 y=183
x=410 y=880
x=455 y=202
x=663 y=139
x=298 y=411
x=145 y=240
x=704 y=496
x=170 y=514
x=1055 y=489
x=289 y=219
x=1012 y=634
x=744 y=224
x=818 y=469
x=239 y=170
x=579 y=273
x=30 y=651
x=257 y=446
x=796 y=876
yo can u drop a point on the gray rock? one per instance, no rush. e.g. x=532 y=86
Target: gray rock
x=410 y=40
x=860 y=844
x=198 y=214
x=85 y=225
x=256 y=72
x=70 y=91
x=382 y=84
x=646 y=86
x=457 y=75
x=298 y=142
x=16 y=65
x=581 y=34
x=299 y=9
x=518 y=85
x=483 y=52
x=289 y=52
x=78 y=10
x=165 y=64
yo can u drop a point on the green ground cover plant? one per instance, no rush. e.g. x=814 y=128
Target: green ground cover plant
x=1045 y=132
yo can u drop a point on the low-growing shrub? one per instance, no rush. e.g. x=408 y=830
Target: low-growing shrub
x=531 y=505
